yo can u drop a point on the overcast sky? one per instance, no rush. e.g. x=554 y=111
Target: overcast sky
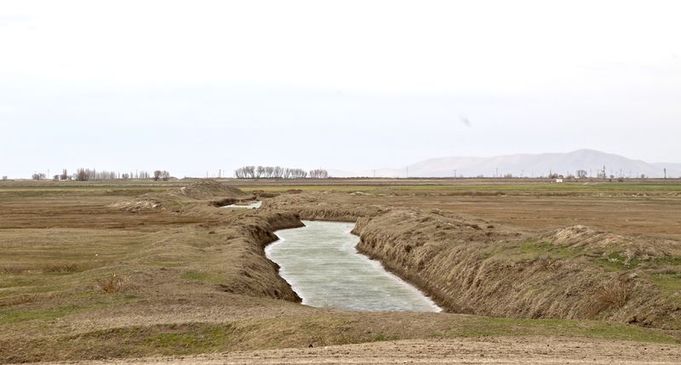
x=194 y=86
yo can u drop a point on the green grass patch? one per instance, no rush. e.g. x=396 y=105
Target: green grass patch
x=669 y=283
x=616 y=261
x=10 y=281
x=189 y=340
x=532 y=250
x=202 y=276
x=9 y=316
x=667 y=260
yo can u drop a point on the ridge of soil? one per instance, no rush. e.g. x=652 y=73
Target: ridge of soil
x=470 y=266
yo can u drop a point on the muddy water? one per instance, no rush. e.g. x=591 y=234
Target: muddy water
x=322 y=265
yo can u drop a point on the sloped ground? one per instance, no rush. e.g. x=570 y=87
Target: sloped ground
x=474 y=269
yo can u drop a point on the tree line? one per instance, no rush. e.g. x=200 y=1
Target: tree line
x=278 y=172
x=83 y=174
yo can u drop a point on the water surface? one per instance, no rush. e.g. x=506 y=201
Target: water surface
x=322 y=265
x=250 y=205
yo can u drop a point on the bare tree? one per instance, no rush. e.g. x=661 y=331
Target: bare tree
x=103 y=175
x=277 y=172
x=581 y=174
x=82 y=175
x=319 y=174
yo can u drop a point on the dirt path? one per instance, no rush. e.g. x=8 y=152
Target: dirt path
x=459 y=351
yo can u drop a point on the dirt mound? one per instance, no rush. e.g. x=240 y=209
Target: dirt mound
x=471 y=268
x=137 y=204
x=208 y=189
x=217 y=194
x=318 y=206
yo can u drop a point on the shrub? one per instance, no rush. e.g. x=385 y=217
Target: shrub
x=112 y=284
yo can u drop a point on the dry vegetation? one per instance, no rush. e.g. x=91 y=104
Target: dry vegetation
x=128 y=269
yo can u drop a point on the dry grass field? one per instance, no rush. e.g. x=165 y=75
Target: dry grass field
x=113 y=270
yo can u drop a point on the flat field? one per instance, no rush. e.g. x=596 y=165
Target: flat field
x=133 y=269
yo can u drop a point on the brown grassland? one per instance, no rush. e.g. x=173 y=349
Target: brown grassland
x=586 y=271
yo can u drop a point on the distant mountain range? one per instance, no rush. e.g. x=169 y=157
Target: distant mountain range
x=525 y=165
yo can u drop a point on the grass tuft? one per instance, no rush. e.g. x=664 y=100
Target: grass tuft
x=611 y=296
x=112 y=284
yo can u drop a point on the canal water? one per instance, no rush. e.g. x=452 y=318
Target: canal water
x=324 y=268
x=250 y=205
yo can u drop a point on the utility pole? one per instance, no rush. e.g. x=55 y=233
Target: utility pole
x=665 y=173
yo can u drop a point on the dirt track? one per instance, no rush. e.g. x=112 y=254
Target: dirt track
x=459 y=351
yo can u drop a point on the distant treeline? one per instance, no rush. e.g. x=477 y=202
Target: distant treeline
x=92 y=174
x=278 y=172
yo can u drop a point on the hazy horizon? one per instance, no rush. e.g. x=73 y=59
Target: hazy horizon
x=194 y=88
